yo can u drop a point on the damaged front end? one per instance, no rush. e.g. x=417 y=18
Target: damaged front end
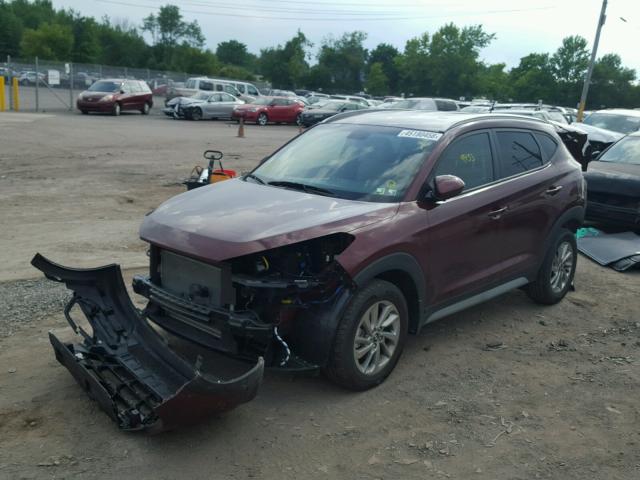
x=276 y=304
x=128 y=367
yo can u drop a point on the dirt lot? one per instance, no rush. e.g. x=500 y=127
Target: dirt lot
x=507 y=390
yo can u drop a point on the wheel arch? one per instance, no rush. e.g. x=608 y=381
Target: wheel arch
x=404 y=271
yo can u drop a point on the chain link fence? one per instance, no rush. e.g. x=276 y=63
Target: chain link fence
x=47 y=86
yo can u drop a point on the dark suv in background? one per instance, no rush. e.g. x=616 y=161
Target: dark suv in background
x=116 y=95
x=357 y=232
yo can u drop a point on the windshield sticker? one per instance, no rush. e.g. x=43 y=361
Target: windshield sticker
x=420 y=134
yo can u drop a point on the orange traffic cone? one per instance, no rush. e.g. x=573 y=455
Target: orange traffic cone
x=241 y=127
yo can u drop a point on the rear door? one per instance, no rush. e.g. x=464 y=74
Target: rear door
x=278 y=110
x=463 y=236
x=226 y=105
x=532 y=189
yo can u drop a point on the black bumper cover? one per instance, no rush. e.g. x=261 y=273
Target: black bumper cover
x=128 y=368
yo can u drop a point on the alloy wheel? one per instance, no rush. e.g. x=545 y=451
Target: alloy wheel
x=262 y=119
x=377 y=337
x=561 y=267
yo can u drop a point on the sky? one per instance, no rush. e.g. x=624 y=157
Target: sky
x=521 y=27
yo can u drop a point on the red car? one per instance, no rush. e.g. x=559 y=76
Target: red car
x=270 y=109
x=353 y=235
x=116 y=95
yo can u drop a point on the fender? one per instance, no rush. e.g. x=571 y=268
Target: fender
x=405 y=263
x=575 y=213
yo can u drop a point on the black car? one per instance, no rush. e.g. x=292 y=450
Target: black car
x=613 y=184
x=329 y=109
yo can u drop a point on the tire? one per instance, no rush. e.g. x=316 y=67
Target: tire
x=299 y=120
x=557 y=271
x=85 y=112
x=196 y=114
x=145 y=109
x=343 y=368
x=262 y=119
x=116 y=110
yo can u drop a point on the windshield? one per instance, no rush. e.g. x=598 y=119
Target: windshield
x=556 y=116
x=416 y=104
x=615 y=122
x=358 y=162
x=333 y=106
x=626 y=150
x=102 y=86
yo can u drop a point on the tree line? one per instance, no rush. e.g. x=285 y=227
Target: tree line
x=444 y=63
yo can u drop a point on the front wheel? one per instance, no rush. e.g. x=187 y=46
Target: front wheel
x=262 y=119
x=196 y=114
x=116 y=110
x=145 y=109
x=370 y=337
x=555 y=276
x=299 y=120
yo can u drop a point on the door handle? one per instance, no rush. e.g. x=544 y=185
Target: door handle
x=553 y=190
x=496 y=214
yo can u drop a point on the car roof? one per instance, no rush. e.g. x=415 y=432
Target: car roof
x=434 y=121
x=619 y=111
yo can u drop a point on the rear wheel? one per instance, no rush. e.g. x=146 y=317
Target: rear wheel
x=145 y=109
x=116 y=109
x=370 y=337
x=299 y=120
x=555 y=276
x=262 y=119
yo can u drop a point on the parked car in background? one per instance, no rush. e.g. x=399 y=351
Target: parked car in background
x=274 y=92
x=205 y=84
x=28 y=77
x=216 y=105
x=329 y=109
x=541 y=114
x=425 y=103
x=352 y=98
x=116 y=95
x=613 y=184
x=476 y=109
x=315 y=99
x=615 y=119
x=270 y=109
x=248 y=91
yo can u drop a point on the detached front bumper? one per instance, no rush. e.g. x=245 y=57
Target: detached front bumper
x=128 y=368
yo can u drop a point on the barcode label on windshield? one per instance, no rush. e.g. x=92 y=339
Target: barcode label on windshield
x=420 y=134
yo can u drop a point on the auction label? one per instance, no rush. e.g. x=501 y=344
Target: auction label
x=420 y=134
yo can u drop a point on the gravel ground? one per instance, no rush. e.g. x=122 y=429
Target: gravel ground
x=27 y=302
x=505 y=390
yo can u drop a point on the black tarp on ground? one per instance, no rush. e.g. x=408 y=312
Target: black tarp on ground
x=619 y=251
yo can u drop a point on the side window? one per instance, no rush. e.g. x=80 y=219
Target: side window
x=279 y=102
x=548 y=145
x=190 y=84
x=218 y=87
x=519 y=153
x=125 y=87
x=144 y=88
x=241 y=88
x=470 y=159
x=252 y=90
x=350 y=106
x=225 y=97
x=445 y=106
x=206 y=86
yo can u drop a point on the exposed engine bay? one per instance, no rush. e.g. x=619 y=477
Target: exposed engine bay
x=245 y=306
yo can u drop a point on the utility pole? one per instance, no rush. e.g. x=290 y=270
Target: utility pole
x=587 y=79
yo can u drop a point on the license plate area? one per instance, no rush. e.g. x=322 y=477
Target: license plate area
x=195 y=281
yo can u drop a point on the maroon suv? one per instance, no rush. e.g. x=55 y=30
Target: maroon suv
x=361 y=230
x=116 y=95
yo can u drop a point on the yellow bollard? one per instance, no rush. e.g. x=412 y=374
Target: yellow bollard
x=16 y=94
x=2 y=94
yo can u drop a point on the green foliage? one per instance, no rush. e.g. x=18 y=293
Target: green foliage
x=11 y=28
x=53 y=42
x=167 y=28
x=234 y=52
x=286 y=66
x=386 y=55
x=377 y=82
x=346 y=59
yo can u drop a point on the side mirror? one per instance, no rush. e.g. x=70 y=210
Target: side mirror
x=447 y=186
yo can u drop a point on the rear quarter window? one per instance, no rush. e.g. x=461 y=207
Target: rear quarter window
x=518 y=152
x=446 y=106
x=548 y=145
